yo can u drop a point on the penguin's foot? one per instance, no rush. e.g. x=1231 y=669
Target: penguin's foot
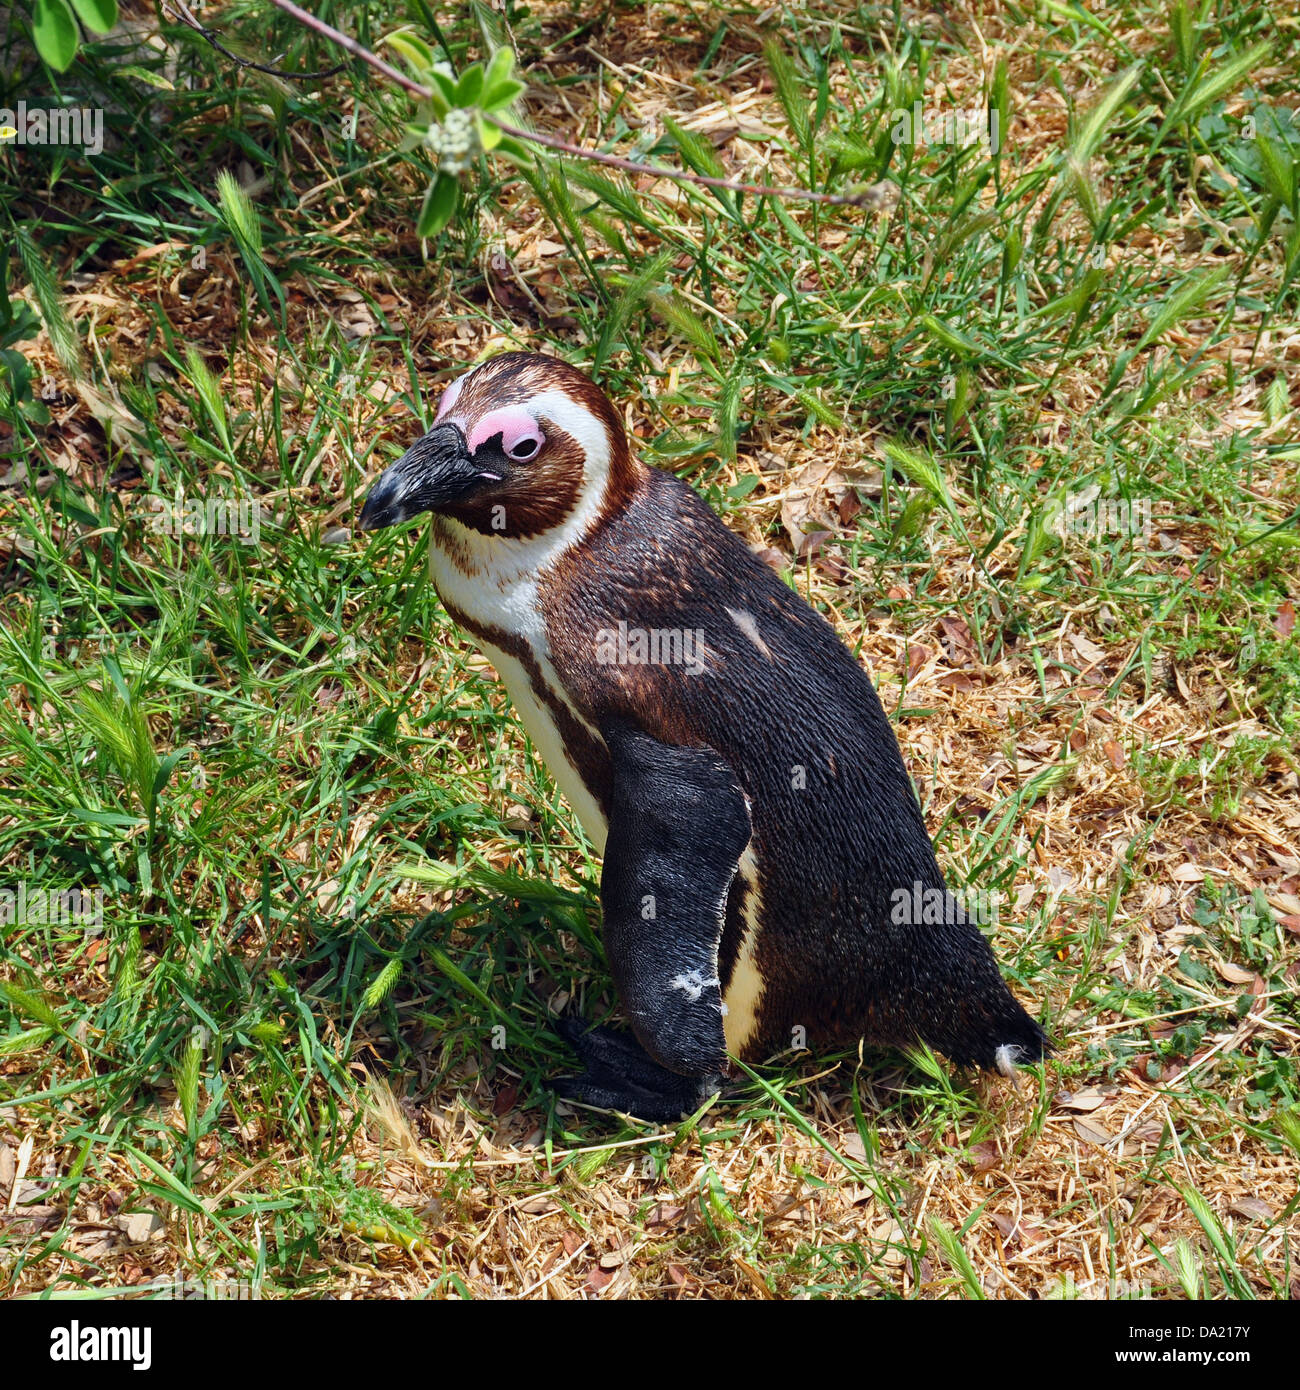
x=620 y=1075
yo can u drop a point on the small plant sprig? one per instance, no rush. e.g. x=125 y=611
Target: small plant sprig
x=55 y=31
x=485 y=94
x=456 y=120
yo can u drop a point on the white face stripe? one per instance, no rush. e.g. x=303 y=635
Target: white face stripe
x=504 y=562
x=499 y=586
x=449 y=396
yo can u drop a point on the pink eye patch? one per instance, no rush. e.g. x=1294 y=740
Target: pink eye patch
x=520 y=436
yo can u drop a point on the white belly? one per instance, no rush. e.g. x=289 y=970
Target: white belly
x=540 y=727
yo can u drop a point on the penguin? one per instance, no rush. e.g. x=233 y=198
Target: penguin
x=767 y=878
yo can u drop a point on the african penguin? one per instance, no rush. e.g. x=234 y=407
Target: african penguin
x=767 y=878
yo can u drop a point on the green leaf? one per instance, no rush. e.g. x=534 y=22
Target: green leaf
x=152 y=79
x=951 y=337
x=470 y=86
x=63 y=333
x=23 y=1001
x=444 y=85
x=1075 y=300
x=490 y=135
x=501 y=96
x=500 y=67
x=99 y=16
x=516 y=149
x=55 y=33
x=1094 y=127
x=1183 y=302
x=439 y=205
x=413 y=49
x=788 y=88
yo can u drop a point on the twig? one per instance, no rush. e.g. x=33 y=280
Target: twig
x=868 y=198
x=188 y=18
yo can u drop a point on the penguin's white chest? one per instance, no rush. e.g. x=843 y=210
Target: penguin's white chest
x=539 y=724
x=508 y=602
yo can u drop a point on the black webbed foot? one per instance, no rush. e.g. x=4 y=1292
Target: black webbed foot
x=620 y=1075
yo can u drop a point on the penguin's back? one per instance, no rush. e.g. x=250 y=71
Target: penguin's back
x=667 y=619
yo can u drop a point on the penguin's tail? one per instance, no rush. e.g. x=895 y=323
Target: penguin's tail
x=1007 y=1056
x=1025 y=1043
x=996 y=1034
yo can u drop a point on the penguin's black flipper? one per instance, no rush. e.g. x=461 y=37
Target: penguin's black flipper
x=620 y=1075
x=677 y=827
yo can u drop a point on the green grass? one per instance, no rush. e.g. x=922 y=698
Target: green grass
x=243 y=745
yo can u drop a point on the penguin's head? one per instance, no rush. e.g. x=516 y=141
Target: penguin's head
x=519 y=444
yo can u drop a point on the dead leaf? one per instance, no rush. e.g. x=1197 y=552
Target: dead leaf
x=956 y=680
x=1083 y=1101
x=140 y=1226
x=1234 y=974
x=1089 y=652
x=1091 y=1132
x=1006 y=1224
x=1115 y=753
x=1187 y=873
x=984 y=1157
x=961 y=646
x=1284 y=623
x=117 y=421
x=811 y=504
x=917 y=656
x=1252 y=1209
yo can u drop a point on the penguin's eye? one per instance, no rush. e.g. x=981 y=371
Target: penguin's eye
x=525 y=448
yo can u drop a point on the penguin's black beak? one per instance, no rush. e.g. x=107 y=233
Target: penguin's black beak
x=434 y=471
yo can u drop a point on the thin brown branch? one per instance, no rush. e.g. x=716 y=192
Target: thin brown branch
x=870 y=197
x=188 y=18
